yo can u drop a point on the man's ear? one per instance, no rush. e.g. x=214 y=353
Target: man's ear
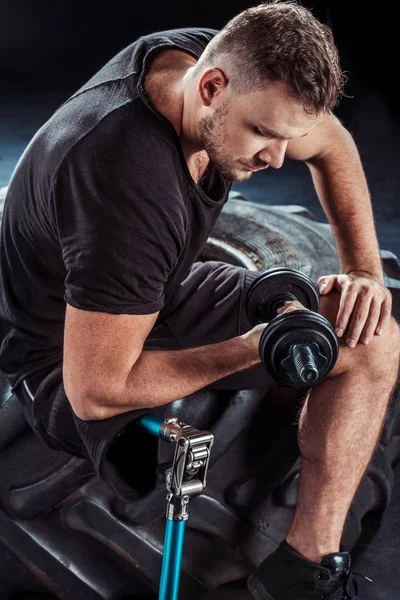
x=211 y=84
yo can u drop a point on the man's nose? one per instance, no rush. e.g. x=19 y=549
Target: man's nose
x=274 y=153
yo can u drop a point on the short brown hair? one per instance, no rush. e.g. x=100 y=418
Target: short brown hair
x=280 y=41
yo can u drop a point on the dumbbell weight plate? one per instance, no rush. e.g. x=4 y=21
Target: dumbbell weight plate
x=271 y=289
x=300 y=327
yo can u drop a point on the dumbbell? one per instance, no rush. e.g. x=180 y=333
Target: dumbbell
x=298 y=348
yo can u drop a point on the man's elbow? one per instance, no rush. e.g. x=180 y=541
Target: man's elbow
x=85 y=408
x=88 y=405
x=90 y=412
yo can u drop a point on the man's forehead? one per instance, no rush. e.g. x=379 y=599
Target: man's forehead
x=283 y=134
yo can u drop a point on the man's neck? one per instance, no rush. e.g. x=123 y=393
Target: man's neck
x=163 y=86
x=163 y=83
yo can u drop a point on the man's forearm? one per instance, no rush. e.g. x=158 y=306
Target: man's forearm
x=161 y=376
x=342 y=188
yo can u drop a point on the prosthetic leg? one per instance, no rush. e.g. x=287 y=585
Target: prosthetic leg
x=186 y=477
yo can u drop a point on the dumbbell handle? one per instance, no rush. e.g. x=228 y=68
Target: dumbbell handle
x=303 y=360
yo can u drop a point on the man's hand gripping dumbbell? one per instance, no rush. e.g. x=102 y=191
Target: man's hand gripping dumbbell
x=297 y=345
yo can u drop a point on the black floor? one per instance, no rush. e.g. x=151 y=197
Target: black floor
x=375 y=126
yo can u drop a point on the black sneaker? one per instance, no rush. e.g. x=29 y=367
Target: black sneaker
x=287 y=575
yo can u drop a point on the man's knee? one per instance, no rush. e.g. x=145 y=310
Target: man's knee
x=378 y=359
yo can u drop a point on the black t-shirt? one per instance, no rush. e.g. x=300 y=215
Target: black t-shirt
x=101 y=211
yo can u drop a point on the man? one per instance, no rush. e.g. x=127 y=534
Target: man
x=106 y=215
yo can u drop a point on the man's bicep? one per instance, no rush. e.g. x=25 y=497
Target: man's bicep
x=100 y=350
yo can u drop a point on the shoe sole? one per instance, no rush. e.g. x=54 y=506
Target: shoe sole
x=256 y=588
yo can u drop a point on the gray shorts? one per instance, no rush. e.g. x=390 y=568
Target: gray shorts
x=208 y=307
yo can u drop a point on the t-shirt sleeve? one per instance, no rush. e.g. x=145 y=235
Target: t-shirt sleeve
x=120 y=220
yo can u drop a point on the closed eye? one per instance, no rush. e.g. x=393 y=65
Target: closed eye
x=259 y=132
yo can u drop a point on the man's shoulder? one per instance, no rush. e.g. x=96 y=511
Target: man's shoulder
x=184 y=37
x=131 y=131
x=107 y=115
x=91 y=126
x=129 y=61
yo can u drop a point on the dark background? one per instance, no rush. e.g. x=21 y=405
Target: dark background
x=56 y=42
x=50 y=48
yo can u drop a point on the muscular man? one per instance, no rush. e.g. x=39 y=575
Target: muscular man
x=107 y=312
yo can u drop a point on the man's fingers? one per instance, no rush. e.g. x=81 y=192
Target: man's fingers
x=326 y=283
x=358 y=320
x=385 y=314
x=290 y=305
x=348 y=299
x=365 y=308
x=372 y=322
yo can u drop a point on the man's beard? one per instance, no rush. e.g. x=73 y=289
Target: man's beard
x=215 y=139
